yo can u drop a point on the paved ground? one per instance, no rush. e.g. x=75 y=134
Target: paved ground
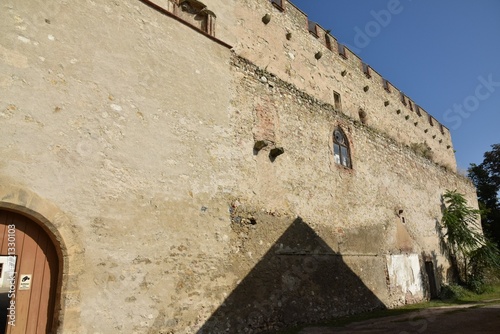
x=479 y=318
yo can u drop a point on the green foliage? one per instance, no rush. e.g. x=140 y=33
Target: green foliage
x=460 y=221
x=481 y=260
x=466 y=242
x=453 y=292
x=486 y=178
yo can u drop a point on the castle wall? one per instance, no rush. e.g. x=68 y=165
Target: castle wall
x=106 y=113
x=142 y=130
x=294 y=60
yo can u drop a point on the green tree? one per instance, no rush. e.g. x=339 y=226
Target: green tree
x=486 y=178
x=471 y=253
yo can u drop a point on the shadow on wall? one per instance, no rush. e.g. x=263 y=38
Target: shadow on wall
x=299 y=280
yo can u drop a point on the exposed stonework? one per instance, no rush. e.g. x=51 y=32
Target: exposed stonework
x=144 y=145
x=294 y=60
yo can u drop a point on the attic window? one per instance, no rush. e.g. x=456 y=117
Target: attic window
x=342 y=52
x=385 y=83
x=431 y=121
x=341 y=148
x=441 y=127
x=278 y=4
x=366 y=70
x=410 y=105
x=313 y=28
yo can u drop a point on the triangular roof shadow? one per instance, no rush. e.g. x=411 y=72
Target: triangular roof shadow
x=300 y=279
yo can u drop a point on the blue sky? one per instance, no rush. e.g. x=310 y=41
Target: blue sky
x=444 y=54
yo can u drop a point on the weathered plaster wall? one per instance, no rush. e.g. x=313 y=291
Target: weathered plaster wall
x=113 y=112
x=404 y=276
x=386 y=176
x=142 y=130
x=293 y=60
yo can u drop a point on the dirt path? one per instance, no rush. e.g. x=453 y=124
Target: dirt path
x=479 y=318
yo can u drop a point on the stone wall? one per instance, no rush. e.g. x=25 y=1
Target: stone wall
x=104 y=118
x=141 y=131
x=293 y=59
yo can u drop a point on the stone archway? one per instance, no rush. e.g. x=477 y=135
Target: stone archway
x=50 y=222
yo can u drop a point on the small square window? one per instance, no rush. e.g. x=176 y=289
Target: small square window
x=313 y=28
x=386 y=85
x=366 y=70
x=418 y=111
x=278 y=4
x=336 y=100
x=328 y=41
x=342 y=51
x=403 y=98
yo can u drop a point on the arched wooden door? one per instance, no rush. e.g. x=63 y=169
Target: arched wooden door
x=28 y=277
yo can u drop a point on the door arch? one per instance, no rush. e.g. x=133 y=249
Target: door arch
x=30 y=289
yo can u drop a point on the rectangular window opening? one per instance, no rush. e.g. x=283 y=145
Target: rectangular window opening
x=278 y=4
x=418 y=111
x=313 y=28
x=410 y=105
x=342 y=51
x=386 y=85
x=403 y=99
x=337 y=102
x=441 y=127
x=431 y=120
x=366 y=70
x=328 y=42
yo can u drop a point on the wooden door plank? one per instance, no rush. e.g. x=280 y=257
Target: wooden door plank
x=26 y=259
x=44 y=311
x=37 y=285
x=20 y=225
x=53 y=264
x=3 y=233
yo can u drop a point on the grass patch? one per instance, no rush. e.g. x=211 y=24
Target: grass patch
x=459 y=295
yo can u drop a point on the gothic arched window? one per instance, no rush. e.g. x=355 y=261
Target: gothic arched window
x=341 y=148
